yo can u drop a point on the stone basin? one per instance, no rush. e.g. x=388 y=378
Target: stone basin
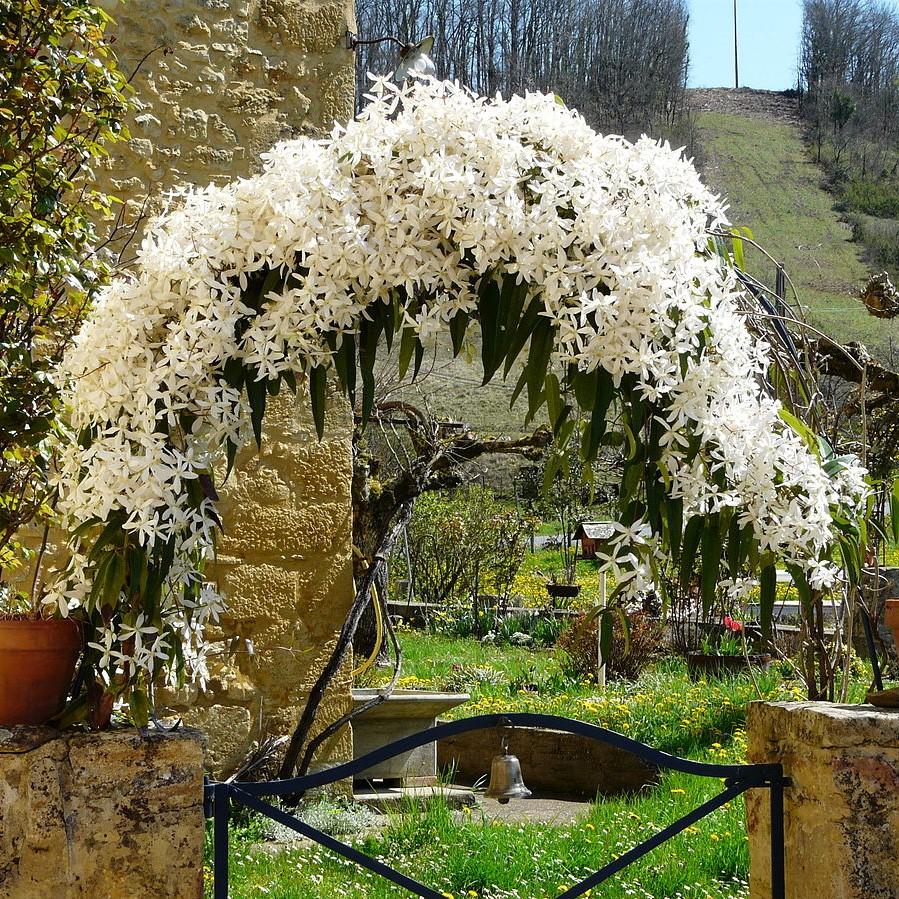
x=405 y=712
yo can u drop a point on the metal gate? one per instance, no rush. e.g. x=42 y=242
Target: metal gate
x=219 y=797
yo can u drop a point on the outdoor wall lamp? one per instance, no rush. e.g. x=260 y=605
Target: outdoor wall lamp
x=414 y=58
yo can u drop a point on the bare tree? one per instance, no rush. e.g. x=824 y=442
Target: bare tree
x=622 y=63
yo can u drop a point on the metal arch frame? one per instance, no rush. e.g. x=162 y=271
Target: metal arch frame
x=218 y=797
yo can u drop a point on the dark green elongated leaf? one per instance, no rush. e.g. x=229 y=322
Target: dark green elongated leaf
x=689 y=548
x=655 y=490
x=369 y=336
x=538 y=362
x=519 y=386
x=630 y=481
x=273 y=386
x=767 y=598
x=345 y=363
x=525 y=328
x=388 y=319
x=111 y=534
x=489 y=313
x=256 y=397
x=458 y=327
x=803 y=588
x=419 y=355
x=606 y=633
x=233 y=373
x=605 y=391
x=674 y=519
x=137 y=570
x=290 y=379
x=553 y=398
x=711 y=561
x=318 y=382
x=894 y=510
x=99 y=576
x=408 y=340
x=514 y=297
x=586 y=384
x=116 y=573
x=231 y=450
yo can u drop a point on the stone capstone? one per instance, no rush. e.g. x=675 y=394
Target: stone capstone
x=842 y=808
x=115 y=814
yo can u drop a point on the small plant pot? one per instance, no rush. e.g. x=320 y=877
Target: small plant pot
x=700 y=664
x=563 y=591
x=891 y=618
x=37 y=664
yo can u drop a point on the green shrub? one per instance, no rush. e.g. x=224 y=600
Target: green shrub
x=645 y=644
x=870 y=196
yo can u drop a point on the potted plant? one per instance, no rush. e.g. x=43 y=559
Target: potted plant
x=37 y=661
x=560 y=585
x=63 y=99
x=725 y=652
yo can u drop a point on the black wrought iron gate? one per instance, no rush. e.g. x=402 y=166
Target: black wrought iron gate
x=219 y=798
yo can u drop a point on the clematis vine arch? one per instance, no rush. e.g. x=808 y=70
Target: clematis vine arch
x=585 y=256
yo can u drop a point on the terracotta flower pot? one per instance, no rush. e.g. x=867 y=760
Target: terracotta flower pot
x=891 y=618
x=37 y=663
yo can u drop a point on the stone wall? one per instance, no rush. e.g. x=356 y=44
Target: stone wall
x=106 y=816
x=284 y=566
x=842 y=809
x=223 y=81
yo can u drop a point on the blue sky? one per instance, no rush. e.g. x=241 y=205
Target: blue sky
x=768 y=38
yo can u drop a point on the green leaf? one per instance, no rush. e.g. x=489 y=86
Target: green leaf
x=256 y=396
x=489 y=313
x=894 y=510
x=538 y=362
x=318 y=382
x=711 y=561
x=458 y=326
x=525 y=328
x=690 y=546
x=345 y=363
x=605 y=392
x=139 y=707
x=369 y=336
x=802 y=587
x=408 y=340
x=767 y=598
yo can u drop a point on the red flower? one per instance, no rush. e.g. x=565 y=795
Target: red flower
x=732 y=624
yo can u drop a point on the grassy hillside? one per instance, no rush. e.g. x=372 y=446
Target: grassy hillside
x=762 y=167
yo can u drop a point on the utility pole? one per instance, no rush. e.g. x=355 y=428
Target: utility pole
x=736 y=52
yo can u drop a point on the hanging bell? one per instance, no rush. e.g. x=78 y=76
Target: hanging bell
x=505 y=778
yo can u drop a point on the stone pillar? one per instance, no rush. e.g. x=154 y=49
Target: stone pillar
x=842 y=809
x=284 y=566
x=221 y=81
x=108 y=815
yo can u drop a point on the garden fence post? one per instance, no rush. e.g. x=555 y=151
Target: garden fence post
x=222 y=801
x=778 y=849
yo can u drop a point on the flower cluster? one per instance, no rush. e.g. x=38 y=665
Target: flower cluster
x=426 y=194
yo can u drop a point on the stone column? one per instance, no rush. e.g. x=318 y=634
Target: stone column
x=221 y=81
x=842 y=809
x=109 y=815
x=284 y=566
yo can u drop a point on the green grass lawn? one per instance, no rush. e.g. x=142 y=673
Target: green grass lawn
x=773 y=187
x=464 y=855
